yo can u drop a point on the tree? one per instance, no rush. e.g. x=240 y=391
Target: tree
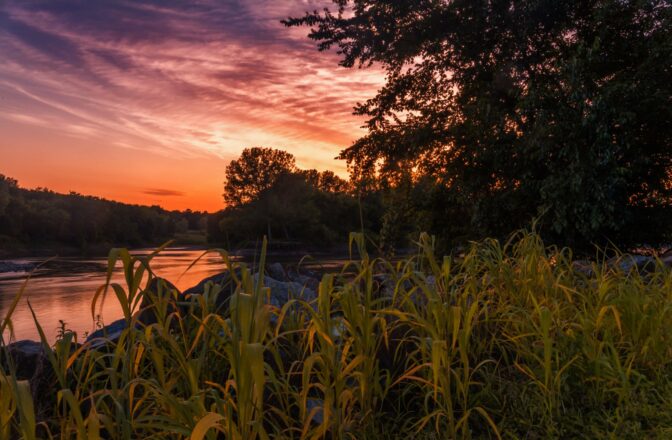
x=518 y=108
x=326 y=181
x=6 y=184
x=256 y=170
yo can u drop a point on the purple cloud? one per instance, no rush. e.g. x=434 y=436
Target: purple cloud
x=178 y=78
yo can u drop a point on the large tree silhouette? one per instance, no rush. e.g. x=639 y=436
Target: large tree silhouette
x=518 y=108
x=255 y=171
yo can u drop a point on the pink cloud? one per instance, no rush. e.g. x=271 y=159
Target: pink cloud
x=180 y=79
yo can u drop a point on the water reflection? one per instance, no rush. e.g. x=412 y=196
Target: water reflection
x=63 y=290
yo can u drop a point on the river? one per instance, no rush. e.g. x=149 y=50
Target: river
x=63 y=289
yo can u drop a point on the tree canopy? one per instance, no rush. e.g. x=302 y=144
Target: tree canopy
x=518 y=108
x=268 y=195
x=256 y=170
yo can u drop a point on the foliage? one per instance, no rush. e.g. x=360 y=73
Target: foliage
x=256 y=170
x=518 y=109
x=292 y=210
x=326 y=181
x=45 y=218
x=509 y=340
x=285 y=203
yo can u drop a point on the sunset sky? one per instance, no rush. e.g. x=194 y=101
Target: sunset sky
x=147 y=102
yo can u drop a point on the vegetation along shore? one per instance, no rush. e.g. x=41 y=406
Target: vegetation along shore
x=509 y=340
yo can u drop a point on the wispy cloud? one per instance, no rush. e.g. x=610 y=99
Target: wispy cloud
x=178 y=78
x=163 y=192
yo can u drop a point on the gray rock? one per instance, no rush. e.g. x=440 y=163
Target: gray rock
x=667 y=260
x=627 y=263
x=111 y=332
x=26 y=356
x=584 y=267
x=222 y=281
x=276 y=271
x=9 y=266
x=145 y=316
x=158 y=288
x=32 y=364
x=283 y=291
x=308 y=281
x=316 y=405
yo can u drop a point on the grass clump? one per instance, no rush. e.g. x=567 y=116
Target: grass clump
x=510 y=340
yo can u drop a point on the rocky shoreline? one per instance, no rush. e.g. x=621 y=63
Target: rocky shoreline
x=31 y=361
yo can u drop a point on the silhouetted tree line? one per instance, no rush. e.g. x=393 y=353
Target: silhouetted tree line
x=266 y=194
x=509 y=110
x=42 y=217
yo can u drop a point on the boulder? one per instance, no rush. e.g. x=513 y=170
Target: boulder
x=111 y=332
x=283 y=291
x=158 y=288
x=667 y=260
x=627 y=263
x=146 y=315
x=276 y=271
x=32 y=364
x=315 y=409
x=308 y=278
x=26 y=356
x=223 y=281
x=311 y=282
x=584 y=267
x=10 y=266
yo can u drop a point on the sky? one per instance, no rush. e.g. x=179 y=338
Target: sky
x=147 y=101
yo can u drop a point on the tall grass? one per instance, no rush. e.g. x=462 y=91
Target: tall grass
x=510 y=340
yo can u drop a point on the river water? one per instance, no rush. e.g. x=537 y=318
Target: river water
x=63 y=289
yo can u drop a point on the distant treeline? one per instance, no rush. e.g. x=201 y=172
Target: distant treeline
x=43 y=218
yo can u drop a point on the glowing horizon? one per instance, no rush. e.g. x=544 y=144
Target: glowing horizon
x=148 y=102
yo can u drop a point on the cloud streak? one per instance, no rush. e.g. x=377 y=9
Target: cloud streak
x=163 y=192
x=183 y=79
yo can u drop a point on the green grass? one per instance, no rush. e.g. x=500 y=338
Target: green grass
x=508 y=341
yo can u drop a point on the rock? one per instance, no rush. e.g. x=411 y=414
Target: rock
x=9 y=266
x=32 y=364
x=276 y=271
x=222 y=281
x=283 y=291
x=308 y=281
x=158 y=288
x=584 y=267
x=26 y=356
x=627 y=263
x=316 y=407
x=111 y=332
x=308 y=278
x=146 y=315
x=667 y=260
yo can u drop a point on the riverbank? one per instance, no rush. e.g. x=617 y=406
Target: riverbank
x=11 y=248
x=508 y=341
